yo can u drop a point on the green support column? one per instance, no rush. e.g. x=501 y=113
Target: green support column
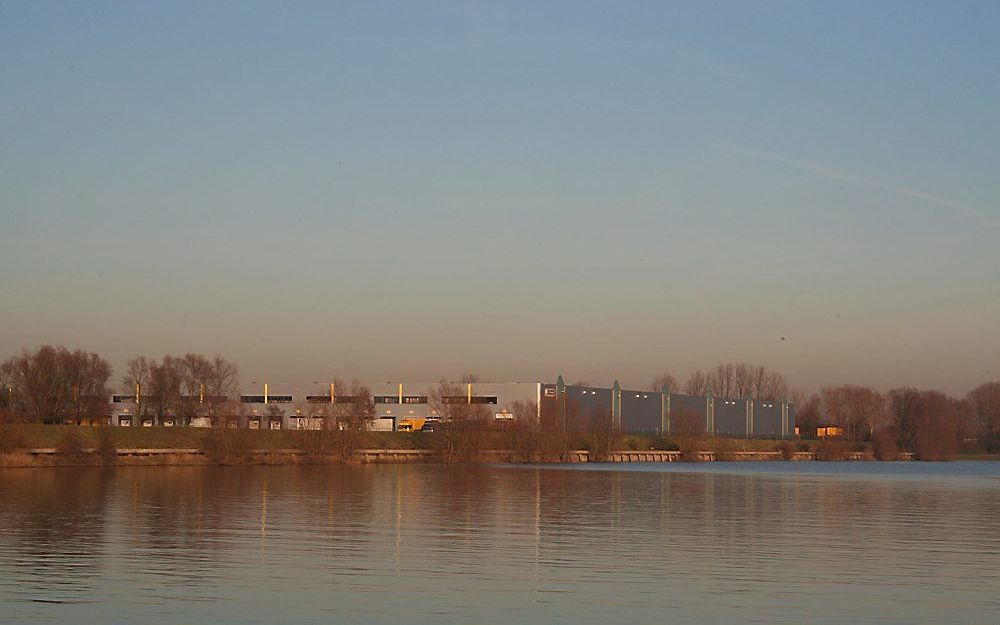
x=665 y=410
x=561 y=400
x=710 y=414
x=616 y=405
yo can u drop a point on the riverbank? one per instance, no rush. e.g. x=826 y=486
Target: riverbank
x=37 y=445
x=51 y=456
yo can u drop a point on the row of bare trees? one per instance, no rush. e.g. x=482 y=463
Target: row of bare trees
x=733 y=380
x=738 y=381
x=183 y=386
x=931 y=424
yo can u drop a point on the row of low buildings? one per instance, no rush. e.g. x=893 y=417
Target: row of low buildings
x=632 y=411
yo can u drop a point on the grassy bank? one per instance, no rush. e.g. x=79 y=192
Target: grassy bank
x=993 y=457
x=217 y=446
x=34 y=435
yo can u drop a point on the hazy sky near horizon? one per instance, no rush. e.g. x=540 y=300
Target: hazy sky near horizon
x=603 y=190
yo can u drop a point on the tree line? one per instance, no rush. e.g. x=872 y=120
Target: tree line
x=732 y=380
x=931 y=424
x=55 y=384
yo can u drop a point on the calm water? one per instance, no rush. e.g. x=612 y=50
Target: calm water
x=708 y=543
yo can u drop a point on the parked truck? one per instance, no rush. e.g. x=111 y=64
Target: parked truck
x=411 y=424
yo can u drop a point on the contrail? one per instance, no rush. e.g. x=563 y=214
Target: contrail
x=834 y=174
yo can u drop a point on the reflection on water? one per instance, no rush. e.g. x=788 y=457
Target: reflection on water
x=757 y=542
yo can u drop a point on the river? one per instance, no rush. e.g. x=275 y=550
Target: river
x=778 y=542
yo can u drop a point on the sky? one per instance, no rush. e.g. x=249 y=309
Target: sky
x=403 y=190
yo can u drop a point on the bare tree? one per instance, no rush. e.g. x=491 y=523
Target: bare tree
x=927 y=422
x=833 y=409
x=349 y=419
x=937 y=427
x=135 y=381
x=88 y=375
x=222 y=377
x=524 y=432
x=194 y=372
x=985 y=402
x=36 y=379
x=664 y=380
x=601 y=433
x=743 y=380
x=808 y=414
x=767 y=385
x=463 y=424
x=166 y=379
x=220 y=383
x=722 y=380
x=6 y=397
x=556 y=419
x=53 y=383
x=698 y=383
x=867 y=411
x=906 y=405
x=689 y=428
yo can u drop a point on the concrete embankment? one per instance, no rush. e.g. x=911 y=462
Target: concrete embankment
x=50 y=456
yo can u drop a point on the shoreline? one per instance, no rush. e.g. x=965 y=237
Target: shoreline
x=39 y=445
x=52 y=457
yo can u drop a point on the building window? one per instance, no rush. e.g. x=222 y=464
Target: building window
x=394 y=399
x=325 y=399
x=464 y=399
x=271 y=399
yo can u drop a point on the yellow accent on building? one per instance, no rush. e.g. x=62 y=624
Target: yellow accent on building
x=332 y=392
x=830 y=431
x=469 y=391
x=400 y=393
x=265 y=392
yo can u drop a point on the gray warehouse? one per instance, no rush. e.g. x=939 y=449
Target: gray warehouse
x=649 y=412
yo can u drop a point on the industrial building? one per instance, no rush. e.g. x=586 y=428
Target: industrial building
x=649 y=412
x=284 y=406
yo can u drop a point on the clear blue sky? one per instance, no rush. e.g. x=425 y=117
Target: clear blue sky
x=603 y=190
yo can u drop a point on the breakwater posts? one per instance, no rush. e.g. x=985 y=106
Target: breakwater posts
x=374 y=456
x=393 y=456
x=397 y=456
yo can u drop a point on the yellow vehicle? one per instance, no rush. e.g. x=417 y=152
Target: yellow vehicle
x=411 y=424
